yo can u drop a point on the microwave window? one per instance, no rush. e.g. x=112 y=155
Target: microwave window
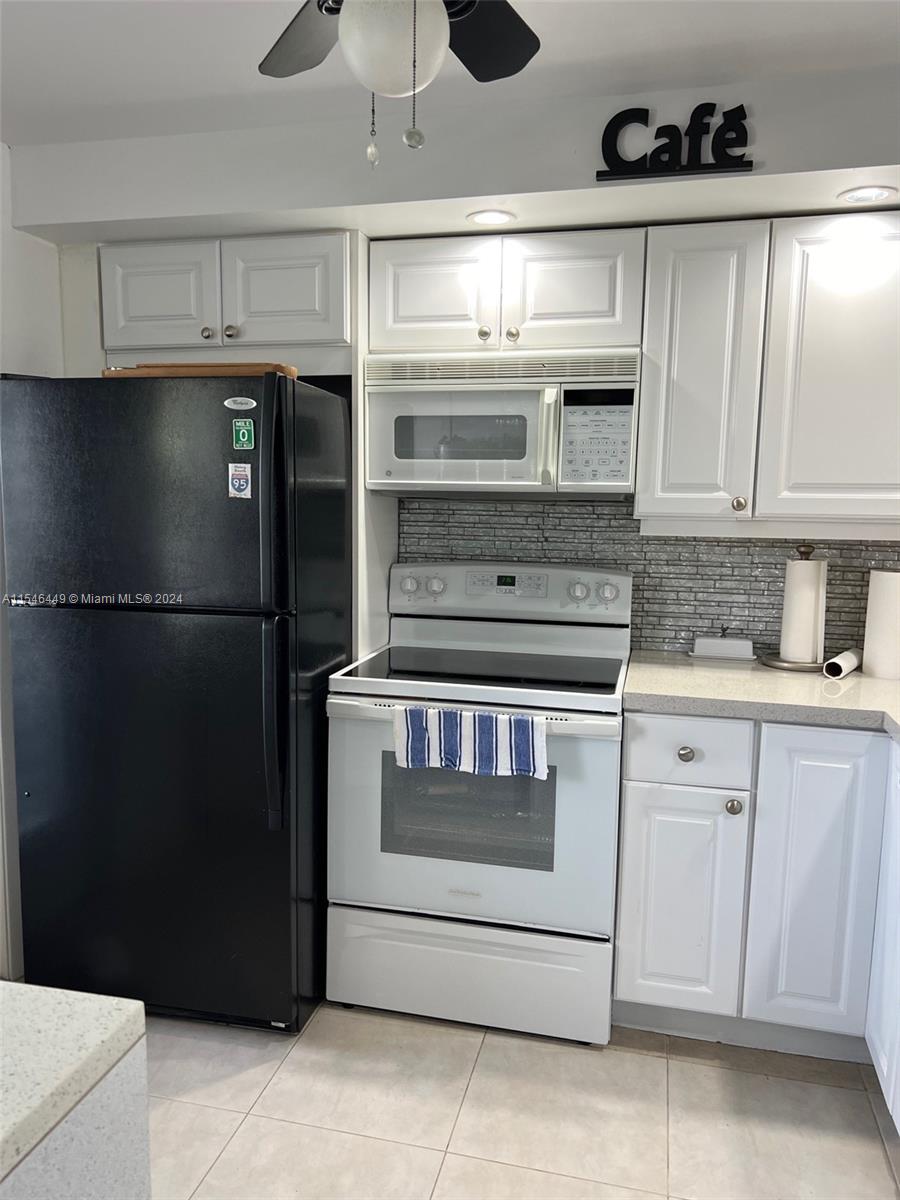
x=466 y=438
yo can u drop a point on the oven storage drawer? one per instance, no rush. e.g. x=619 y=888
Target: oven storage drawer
x=535 y=983
x=695 y=751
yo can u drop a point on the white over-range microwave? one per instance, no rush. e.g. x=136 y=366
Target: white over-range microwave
x=502 y=423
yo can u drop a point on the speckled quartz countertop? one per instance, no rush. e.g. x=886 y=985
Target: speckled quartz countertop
x=54 y=1047
x=675 y=683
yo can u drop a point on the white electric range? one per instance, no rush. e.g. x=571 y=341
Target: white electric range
x=483 y=899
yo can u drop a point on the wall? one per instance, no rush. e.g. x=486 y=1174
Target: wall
x=682 y=586
x=83 y=353
x=30 y=320
x=807 y=122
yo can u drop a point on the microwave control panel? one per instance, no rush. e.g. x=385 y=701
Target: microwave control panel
x=596 y=444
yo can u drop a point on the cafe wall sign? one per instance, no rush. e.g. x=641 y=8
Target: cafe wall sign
x=709 y=144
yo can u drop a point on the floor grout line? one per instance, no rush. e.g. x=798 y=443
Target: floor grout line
x=668 y=1126
x=890 y=1164
x=216 y=1159
x=459 y=1111
x=502 y=1162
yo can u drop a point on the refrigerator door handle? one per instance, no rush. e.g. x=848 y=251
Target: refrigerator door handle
x=273 y=505
x=274 y=716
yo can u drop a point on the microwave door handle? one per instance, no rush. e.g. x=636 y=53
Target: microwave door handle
x=548 y=436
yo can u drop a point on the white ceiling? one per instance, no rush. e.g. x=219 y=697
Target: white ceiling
x=83 y=70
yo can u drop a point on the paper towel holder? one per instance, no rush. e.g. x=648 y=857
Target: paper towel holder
x=805 y=550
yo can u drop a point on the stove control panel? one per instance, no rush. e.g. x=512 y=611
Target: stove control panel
x=511 y=590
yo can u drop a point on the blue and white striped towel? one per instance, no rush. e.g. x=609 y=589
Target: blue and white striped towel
x=481 y=743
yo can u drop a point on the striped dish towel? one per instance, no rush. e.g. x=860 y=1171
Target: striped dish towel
x=481 y=743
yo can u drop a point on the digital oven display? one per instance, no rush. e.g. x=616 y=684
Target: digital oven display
x=506 y=581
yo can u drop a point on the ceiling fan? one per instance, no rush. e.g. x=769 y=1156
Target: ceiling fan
x=488 y=37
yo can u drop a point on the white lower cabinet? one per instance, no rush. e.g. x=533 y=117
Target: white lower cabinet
x=681 y=896
x=816 y=853
x=883 y=1020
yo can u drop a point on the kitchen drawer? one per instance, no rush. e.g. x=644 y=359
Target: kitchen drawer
x=718 y=752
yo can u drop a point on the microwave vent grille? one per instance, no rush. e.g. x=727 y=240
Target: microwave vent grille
x=614 y=366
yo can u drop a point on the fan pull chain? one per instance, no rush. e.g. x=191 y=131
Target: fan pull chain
x=372 y=149
x=414 y=138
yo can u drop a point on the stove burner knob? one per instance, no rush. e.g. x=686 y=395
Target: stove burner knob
x=578 y=591
x=607 y=592
x=435 y=585
x=409 y=584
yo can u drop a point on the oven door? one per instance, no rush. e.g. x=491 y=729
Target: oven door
x=462 y=438
x=514 y=850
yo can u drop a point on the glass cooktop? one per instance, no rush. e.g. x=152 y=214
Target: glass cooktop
x=437 y=664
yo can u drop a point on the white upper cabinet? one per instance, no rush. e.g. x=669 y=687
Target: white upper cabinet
x=700 y=375
x=830 y=423
x=271 y=290
x=435 y=294
x=816 y=852
x=521 y=292
x=285 y=289
x=161 y=294
x=883 y=1020
x=572 y=290
x=681 y=897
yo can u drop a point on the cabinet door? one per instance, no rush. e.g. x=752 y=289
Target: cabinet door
x=160 y=294
x=883 y=1018
x=830 y=431
x=681 y=897
x=435 y=294
x=285 y=289
x=572 y=289
x=700 y=375
x=816 y=851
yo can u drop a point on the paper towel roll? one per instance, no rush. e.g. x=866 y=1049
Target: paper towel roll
x=843 y=664
x=803 y=617
x=881 y=651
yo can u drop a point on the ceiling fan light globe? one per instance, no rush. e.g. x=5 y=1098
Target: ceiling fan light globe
x=376 y=38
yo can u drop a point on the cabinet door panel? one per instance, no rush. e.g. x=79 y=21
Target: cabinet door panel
x=816 y=852
x=160 y=294
x=285 y=289
x=703 y=334
x=572 y=289
x=435 y=294
x=830 y=425
x=883 y=1019
x=681 y=897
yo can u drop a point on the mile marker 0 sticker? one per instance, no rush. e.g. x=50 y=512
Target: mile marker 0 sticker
x=239 y=481
x=242 y=433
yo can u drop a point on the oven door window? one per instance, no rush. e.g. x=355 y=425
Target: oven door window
x=432 y=813
x=466 y=437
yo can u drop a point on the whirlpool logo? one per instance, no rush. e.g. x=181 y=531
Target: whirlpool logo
x=462 y=892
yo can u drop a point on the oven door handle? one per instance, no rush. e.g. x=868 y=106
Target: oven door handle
x=558 y=724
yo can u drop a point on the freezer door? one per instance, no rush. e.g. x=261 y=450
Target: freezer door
x=132 y=491
x=154 y=764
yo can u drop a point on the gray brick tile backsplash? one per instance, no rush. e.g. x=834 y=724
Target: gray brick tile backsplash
x=682 y=586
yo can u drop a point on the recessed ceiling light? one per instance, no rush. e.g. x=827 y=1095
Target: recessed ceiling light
x=491 y=216
x=867 y=195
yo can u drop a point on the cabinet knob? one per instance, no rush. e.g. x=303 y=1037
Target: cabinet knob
x=230 y=331
x=512 y=334
x=686 y=754
x=734 y=807
x=739 y=503
x=484 y=332
x=206 y=332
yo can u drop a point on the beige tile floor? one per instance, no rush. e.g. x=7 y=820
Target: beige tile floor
x=373 y=1106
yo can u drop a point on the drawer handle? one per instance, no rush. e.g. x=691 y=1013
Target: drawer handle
x=206 y=332
x=734 y=807
x=686 y=754
x=739 y=503
x=230 y=331
x=512 y=334
x=484 y=332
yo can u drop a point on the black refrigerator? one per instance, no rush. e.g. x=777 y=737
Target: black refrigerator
x=176 y=556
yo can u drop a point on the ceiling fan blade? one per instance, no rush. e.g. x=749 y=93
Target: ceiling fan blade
x=306 y=42
x=492 y=41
